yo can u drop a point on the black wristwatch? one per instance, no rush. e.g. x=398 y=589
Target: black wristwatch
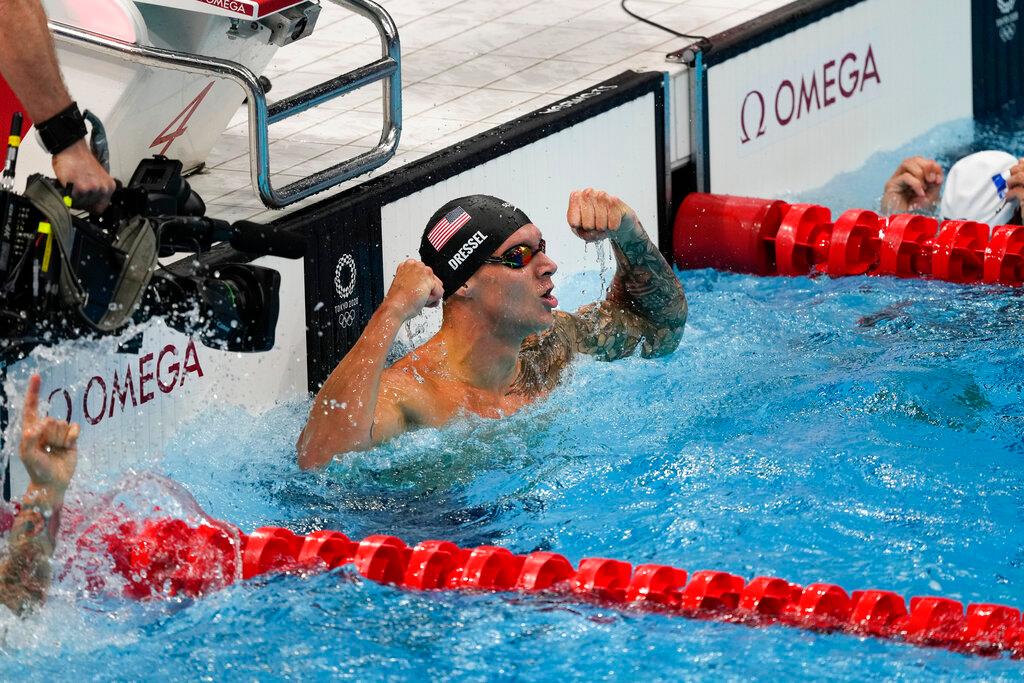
x=62 y=130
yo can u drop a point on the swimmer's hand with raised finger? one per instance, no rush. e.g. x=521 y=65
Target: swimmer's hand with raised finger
x=594 y=215
x=414 y=288
x=49 y=449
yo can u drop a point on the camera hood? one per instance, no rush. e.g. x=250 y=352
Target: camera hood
x=108 y=301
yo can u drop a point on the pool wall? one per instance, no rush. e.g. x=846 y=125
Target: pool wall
x=132 y=394
x=795 y=98
x=881 y=78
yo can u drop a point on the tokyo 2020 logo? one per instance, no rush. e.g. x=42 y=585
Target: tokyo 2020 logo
x=344 y=289
x=1006 y=23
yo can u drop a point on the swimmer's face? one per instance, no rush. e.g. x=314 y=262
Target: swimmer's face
x=519 y=299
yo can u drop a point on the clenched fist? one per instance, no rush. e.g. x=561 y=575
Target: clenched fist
x=595 y=215
x=913 y=186
x=414 y=288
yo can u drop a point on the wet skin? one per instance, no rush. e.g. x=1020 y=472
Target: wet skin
x=501 y=344
x=49 y=451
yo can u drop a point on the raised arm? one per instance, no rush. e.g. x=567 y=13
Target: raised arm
x=645 y=302
x=49 y=450
x=356 y=408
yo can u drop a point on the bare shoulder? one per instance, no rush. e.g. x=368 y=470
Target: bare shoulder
x=403 y=384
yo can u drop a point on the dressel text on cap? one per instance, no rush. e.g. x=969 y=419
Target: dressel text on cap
x=466 y=249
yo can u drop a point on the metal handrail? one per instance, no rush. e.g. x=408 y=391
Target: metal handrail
x=387 y=69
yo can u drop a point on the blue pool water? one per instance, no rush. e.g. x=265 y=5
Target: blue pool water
x=867 y=432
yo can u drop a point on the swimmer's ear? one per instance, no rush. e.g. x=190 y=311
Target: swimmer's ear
x=464 y=291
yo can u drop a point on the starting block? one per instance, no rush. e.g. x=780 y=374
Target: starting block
x=166 y=77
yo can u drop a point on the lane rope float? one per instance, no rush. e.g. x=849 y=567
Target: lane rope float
x=771 y=237
x=168 y=557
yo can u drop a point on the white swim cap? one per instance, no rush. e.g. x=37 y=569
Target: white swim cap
x=975 y=189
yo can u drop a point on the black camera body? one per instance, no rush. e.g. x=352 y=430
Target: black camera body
x=228 y=303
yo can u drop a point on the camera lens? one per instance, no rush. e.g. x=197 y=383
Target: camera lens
x=237 y=306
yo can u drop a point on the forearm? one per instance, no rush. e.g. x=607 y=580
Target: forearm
x=342 y=415
x=25 y=573
x=28 y=61
x=646 y=283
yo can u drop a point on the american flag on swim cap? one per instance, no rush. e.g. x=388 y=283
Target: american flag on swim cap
x=447 y=226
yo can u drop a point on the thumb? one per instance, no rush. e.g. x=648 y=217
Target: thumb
x=71 y=441
x=574 y=214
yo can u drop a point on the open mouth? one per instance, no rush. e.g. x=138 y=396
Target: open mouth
x=548 y=298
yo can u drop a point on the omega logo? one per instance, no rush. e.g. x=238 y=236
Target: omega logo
x=792 y=99
x=231 y=6
x=758 y=106
x=345 y=289
x=107 y=395
x=582 y=97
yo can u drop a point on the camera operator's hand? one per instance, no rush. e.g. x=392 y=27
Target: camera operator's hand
x=91 y=185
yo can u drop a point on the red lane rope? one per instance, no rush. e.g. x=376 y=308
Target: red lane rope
x=167 y=557
x=768 y=237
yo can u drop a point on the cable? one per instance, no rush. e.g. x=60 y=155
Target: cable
x=625 y=9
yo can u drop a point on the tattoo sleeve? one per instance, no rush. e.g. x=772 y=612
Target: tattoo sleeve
x=543 y=357
x=645 y=303
x=645 y=307
x=25 y=572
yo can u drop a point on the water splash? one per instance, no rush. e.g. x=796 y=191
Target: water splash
x=861 y=431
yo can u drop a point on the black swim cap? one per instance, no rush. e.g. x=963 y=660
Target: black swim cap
x=463 y=233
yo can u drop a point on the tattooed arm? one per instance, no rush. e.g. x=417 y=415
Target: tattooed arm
x=645 y=301
x=645 y=305
x=49 y=451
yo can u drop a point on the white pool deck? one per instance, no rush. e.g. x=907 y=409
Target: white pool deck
x=467 y=66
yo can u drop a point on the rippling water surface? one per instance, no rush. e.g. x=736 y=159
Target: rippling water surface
x=866 y=432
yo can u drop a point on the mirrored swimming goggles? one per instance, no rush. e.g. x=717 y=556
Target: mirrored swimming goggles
x=518 y=256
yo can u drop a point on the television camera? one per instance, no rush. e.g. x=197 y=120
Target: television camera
x=63 y=275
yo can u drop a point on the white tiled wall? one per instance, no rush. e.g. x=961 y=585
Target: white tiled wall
x=468 y=65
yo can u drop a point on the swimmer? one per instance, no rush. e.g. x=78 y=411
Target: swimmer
x=49 y=451
x=986 y=187
x=502 y=344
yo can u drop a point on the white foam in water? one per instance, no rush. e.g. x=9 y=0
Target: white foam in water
x=811 y=429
